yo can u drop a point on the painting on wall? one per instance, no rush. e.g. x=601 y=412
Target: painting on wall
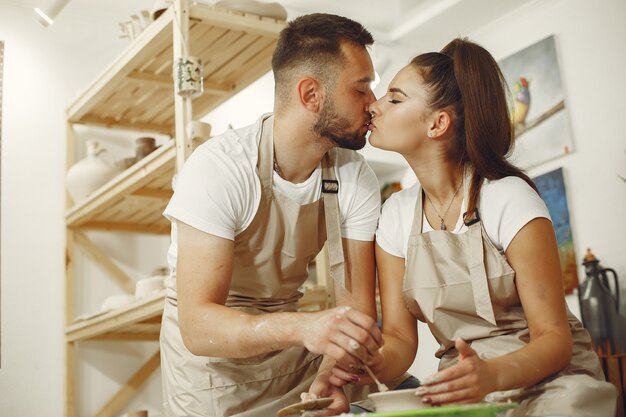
x=552 y=190
x=537 y=103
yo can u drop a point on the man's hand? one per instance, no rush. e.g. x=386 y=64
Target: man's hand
x=321 y=387
x=344 y=334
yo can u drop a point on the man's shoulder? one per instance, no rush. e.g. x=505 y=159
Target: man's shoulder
x=349 y=162
x=236 y=145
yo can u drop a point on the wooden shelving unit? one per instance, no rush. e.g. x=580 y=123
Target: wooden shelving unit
x=136 y=92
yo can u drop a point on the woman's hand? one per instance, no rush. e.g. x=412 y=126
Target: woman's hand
x=466 y=382
x=322 y=387
x=344 y=334
x=342 y=376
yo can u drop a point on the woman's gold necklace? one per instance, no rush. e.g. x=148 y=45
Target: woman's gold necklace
x=442 y=226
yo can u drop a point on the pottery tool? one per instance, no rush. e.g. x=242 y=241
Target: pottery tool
x=298 y=408
x=381 y=387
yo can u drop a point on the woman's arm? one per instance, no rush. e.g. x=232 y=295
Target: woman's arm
x=534 y=256
x=360 y=279
x=399 y=325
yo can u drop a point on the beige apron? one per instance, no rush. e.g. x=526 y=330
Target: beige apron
x=271 y=262
x=461 y=285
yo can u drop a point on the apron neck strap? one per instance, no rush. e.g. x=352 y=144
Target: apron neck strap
x=475 y=216
x=416 y=226
x=266 y=153
x=330 y=193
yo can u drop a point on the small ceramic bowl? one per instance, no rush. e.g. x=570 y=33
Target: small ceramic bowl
x=404 y=399
x=148 y=286
x=117 y=301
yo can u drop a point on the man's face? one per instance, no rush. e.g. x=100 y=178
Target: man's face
x=344 y=116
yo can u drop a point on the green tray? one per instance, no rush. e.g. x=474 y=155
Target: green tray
x=473 y=410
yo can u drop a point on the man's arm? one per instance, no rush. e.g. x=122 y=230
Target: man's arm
x=208 y=328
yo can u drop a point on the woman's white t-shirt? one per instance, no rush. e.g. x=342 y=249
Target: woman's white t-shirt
x=505 y=206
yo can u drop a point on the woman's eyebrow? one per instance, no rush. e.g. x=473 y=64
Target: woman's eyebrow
x=397 y=90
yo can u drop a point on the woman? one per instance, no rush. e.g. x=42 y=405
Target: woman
x=475 y=245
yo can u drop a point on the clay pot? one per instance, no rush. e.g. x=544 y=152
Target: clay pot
x=88 y=174
x=143 y=147
x=404 y=399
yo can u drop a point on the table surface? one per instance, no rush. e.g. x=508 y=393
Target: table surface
x=473 y=410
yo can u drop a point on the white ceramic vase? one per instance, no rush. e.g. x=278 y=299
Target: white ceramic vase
x=88 y=174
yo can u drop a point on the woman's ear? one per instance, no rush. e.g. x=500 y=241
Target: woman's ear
x=440 y=124
x=310 y=93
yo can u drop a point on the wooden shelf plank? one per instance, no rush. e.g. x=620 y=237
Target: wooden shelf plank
x=230 y=20
x=120 y=320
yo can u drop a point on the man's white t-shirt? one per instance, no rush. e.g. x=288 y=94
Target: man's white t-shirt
x=218 y=190
x=505 y=206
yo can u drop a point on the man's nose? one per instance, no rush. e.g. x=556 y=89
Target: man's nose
x=372 y=109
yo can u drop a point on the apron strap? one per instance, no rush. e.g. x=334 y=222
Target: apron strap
x=266 y=154
x=478 y=275
x=330 y=192
x=418 y=214
x=476 y=255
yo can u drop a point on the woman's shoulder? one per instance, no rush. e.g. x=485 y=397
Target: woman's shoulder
x=508 y=189
x=502 y=184
x=506 y=205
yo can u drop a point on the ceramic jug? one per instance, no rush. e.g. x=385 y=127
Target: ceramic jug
x=88 y=174
x=599 y=307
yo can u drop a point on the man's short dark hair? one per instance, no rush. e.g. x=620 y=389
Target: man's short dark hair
x=313 y=43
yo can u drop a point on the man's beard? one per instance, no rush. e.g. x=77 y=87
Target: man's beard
x=335 y=128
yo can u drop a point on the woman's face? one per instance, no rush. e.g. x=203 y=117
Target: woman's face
x=400 y=119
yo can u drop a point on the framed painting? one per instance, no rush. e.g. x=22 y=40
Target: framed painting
x=552 y=190
x=537 y=104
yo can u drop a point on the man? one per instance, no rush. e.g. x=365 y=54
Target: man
x=247 y=217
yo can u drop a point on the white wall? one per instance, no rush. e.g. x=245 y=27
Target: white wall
x=44 y=68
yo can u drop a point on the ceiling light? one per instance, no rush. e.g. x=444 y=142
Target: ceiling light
x=46 y=16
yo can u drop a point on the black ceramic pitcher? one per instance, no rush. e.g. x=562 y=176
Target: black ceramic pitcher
x=599 y=307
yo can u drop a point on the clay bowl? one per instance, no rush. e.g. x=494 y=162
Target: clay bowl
x=404 y=399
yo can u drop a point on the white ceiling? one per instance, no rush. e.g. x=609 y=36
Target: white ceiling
x=418 y=24
x=412 y=22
